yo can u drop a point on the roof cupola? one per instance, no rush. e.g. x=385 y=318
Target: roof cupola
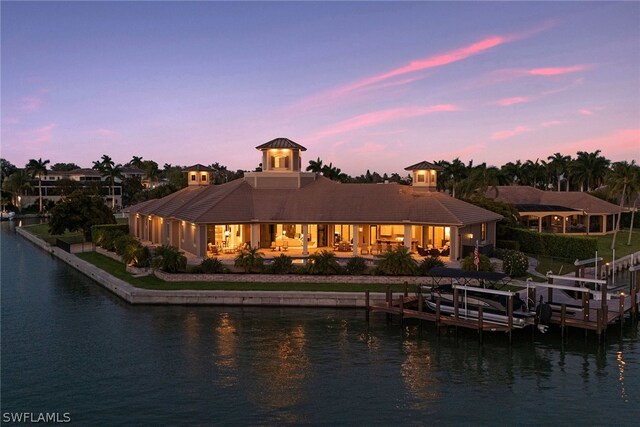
x=424 y=176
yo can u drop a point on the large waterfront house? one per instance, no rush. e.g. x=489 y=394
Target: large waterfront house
x=558 y=212
x=283 y=207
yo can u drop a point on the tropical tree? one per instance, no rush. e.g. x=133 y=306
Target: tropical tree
x=170 y=259
x=397 y=261
x=61 y=167
x=249 y=259
x=79 y=212
x=511 y=173
x=589 y=169
x=38 y=168
x=623 y=176
x=315 y=166
x=559 y=165
x=108 y=169
x=151 y=171
x=136 y=162
x=6 y=169
x=480 y=179
x=323 y=262
x=452 y=175
x=18 y=184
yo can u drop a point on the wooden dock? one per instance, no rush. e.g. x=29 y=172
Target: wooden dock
x=597 y=309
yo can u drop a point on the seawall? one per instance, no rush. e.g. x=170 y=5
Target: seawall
x=135 y=295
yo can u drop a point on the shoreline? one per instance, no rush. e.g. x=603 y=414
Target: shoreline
x=137 y=296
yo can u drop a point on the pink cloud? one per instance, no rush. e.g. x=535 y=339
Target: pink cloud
x=585 y=112
x=378 y=117
x=504 y=134
x=30 y=104
x=556 y=71
x=104 y=132
x=36 y=136
x=369 y=148
x=550 y=123
x=621 y=144
x=510 y=101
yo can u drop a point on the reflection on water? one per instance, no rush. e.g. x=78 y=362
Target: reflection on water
x=226 y=357
x=419 y=376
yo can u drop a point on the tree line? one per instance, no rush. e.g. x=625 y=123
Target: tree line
x=584 y=172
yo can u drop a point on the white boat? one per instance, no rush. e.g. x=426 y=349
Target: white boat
x=7 y=215
x=494 y=308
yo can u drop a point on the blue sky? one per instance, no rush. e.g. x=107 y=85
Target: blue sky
x=364 y=85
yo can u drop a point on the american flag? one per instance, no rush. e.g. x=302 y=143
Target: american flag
x=476 y=257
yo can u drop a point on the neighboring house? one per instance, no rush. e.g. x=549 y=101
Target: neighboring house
x=54 y=187
x=558 y=212
x=282 y=206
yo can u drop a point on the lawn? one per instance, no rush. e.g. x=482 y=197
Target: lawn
x=42 y=231
x=564 y=266
x=117 y=269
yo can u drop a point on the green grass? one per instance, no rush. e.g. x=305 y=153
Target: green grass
x=564 y=266
x=117 y=269
x=42 y=231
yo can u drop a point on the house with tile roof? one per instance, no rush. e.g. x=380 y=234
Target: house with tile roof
x=283 y=207
x=557 y=211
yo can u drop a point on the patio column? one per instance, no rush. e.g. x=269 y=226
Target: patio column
x=305 y=239
x=604 y=223
x=564 y=224
x=454 y=243
x=407 y=235
x=539 y=224
x=201 y=240
x=255 y=235
x=355 y=239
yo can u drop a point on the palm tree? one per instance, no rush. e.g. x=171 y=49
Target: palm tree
x=18 y=184
x=625 y=175
x=511 y=173
x=560 y=166
x=136 y=162
x=398 y=262
x=481 y=178
x=315 y=166
x=249 y=259
x=589 y=169
x=38 y=168
x=151 y=171
x=323 y=262
x=111 y=171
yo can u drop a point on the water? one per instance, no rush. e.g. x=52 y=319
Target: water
x=70 y=347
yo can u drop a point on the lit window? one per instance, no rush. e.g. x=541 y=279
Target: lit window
x=193 y=177
x=204 y=177
x=420 y=177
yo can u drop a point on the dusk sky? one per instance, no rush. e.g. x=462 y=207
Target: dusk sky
x=364 y=85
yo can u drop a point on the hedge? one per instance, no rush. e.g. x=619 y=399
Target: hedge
x=98 y=230
x=553 y=245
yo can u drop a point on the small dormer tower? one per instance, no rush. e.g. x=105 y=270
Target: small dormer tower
x=198 y=175
x=281 y=155
x=424 y=175
x=281 y=166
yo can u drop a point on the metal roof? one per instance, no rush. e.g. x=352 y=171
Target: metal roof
x=281 y=143
x=424 y=165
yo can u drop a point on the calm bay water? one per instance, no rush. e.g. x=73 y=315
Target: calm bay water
x=70 y=347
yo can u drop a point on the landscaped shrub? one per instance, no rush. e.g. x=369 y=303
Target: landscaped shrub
x=169 y=259
x=515 y=264
x=108 y=239
x=282 y=264
x=513 y=245
x=428 y=263
x=356 y=265
x=211 y=266
x=122 y=242
x=484 y=265
x=397 y=262
x=323 y=262
x=98 y=231
x=249 y=259
x=553 y=245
